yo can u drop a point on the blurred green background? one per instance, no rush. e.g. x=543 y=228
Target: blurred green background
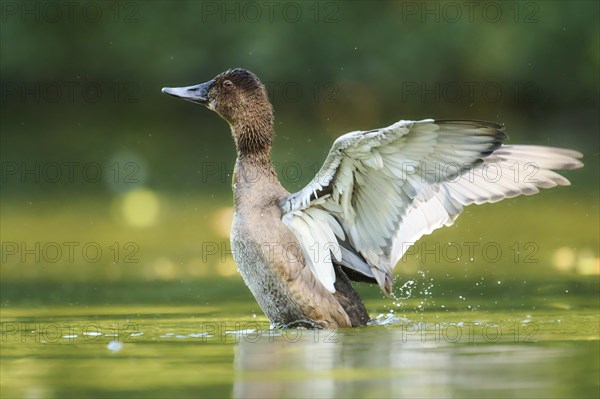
x=113 y=192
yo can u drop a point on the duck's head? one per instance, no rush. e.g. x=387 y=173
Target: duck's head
x=238 y=96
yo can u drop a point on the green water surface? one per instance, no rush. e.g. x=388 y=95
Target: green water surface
x=537 y=346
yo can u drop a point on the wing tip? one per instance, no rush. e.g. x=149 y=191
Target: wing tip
x=573 y=164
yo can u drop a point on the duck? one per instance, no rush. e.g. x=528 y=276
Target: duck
x=377 y=193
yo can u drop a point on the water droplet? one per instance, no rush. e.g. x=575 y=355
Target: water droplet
x=114 y=346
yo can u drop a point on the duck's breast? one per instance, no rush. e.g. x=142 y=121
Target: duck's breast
x=272 y=265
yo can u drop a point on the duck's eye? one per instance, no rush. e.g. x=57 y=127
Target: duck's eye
x=227 y=83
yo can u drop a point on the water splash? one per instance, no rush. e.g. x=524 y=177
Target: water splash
x=421 y=287
x=387 y=319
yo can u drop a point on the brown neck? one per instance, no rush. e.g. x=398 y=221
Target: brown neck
x=255 y=181
x=253 y=141
x=253 y=137
x=253 y=132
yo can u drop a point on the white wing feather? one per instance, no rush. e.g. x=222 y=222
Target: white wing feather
x=380 y=191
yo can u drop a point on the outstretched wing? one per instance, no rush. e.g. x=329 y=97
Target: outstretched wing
x=381 y=190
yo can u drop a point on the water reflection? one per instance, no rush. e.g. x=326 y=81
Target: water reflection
x=168 y=352
x=388 y=362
